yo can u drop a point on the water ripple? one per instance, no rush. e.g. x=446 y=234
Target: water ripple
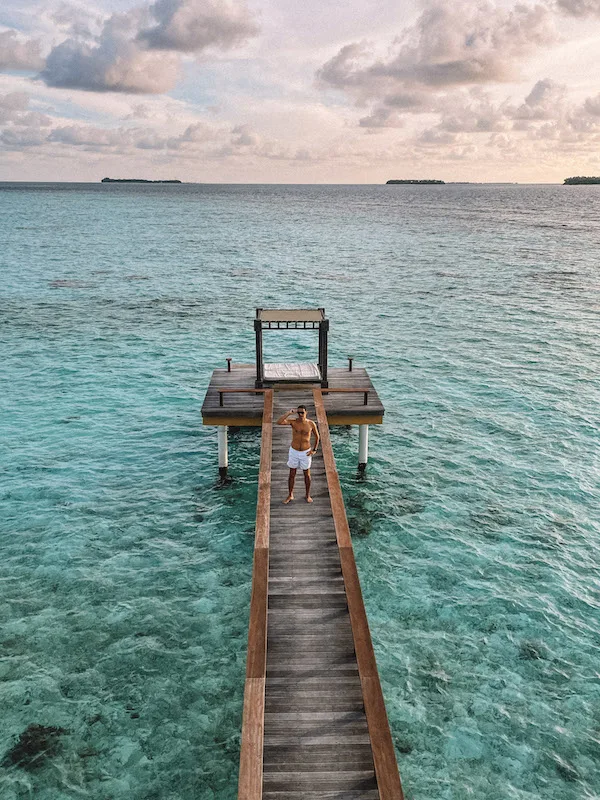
x=126 y=575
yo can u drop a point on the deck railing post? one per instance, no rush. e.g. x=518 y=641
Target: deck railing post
x=259 y=351
x=363 y=447
x=223 y=455
x=323 y=331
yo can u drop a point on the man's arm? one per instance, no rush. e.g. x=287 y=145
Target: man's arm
x=284 y=420
x=315 y=430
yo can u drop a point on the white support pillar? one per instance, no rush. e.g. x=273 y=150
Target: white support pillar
x=363 y=447
x=223 y=456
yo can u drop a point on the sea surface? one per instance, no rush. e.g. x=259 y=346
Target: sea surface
x=124 y=570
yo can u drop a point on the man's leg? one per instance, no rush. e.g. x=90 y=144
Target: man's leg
x=307 y=485
x=291 y=481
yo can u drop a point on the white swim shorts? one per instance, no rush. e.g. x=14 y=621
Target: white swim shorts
x=299 y=458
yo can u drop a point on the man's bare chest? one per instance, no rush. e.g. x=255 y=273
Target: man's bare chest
x=303 y=428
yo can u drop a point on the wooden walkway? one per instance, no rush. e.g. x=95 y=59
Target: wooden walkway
x=315 y=725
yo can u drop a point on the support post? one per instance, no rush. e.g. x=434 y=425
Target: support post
x=259 y=351
x=223 y=455
x=363 y=447
x=323 y=331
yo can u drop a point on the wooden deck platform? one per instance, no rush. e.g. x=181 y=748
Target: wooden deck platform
x=344 y=401
x=314 y=723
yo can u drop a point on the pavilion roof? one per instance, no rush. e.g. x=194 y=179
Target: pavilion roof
x=290 y=314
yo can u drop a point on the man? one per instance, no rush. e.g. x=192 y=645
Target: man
x=300 y=451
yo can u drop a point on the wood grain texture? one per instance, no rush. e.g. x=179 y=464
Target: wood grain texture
x=386 y=767
x=251 y=752
x=242 y=404
x=349 y=419
x=263 y=504
x=333 y=481
x=257 y=627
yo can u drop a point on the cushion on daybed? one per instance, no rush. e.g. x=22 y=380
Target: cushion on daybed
x=298 y=371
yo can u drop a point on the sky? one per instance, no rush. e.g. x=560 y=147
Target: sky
x=282 y=91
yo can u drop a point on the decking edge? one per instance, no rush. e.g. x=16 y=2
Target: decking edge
x=250 y=781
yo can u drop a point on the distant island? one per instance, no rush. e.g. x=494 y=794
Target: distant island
x=580 y=179
x=415 y=181
x=132 y=180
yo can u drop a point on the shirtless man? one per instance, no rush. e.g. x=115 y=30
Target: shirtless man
x=300 y=451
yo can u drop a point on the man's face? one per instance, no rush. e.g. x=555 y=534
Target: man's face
x=301 y=413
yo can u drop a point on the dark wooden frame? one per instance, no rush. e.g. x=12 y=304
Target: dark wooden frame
x=266 y=325
x=224 y=390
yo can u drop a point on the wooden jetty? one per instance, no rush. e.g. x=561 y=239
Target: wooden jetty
x=314 y=720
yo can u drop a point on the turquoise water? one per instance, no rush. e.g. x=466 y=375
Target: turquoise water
x=125 y=574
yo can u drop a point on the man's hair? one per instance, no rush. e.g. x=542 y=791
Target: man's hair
x=301 y=406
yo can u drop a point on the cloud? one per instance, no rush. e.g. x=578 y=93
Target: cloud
x=21 y=127
x=19 y=138
x=382 y=118
x=545 y=101
x=474 y=111
x=139 y=51
x=192 y=26
x=14 y=110
x=244 y=137
x=579 y=8
x=435 y=136
x=592 y=106
x=91 y=137
x=465 y=44
x=75 y=20
x=199 y=137
x=113 y=63
x=477 y=115
x=17 y=54
x=12 y=104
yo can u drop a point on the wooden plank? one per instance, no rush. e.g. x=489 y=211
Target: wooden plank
x=335 y=795
x=334 y=753
x=313 y=669
x=263 y=505
x=316 y=704
x=256 y=661
x=365 y=656
x=294 y=781
x=309 y=739
x=250 y=784
x=332 y=691
x=333 y=481
x=237 y=422
x=353 y=419
x=311 y=683
x=384 y=757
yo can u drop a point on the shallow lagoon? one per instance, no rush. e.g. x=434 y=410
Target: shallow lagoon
x=126 y=575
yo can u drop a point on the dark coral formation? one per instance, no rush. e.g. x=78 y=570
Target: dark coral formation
x=36 y=744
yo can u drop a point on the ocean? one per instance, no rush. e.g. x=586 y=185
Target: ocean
x=125 y=571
